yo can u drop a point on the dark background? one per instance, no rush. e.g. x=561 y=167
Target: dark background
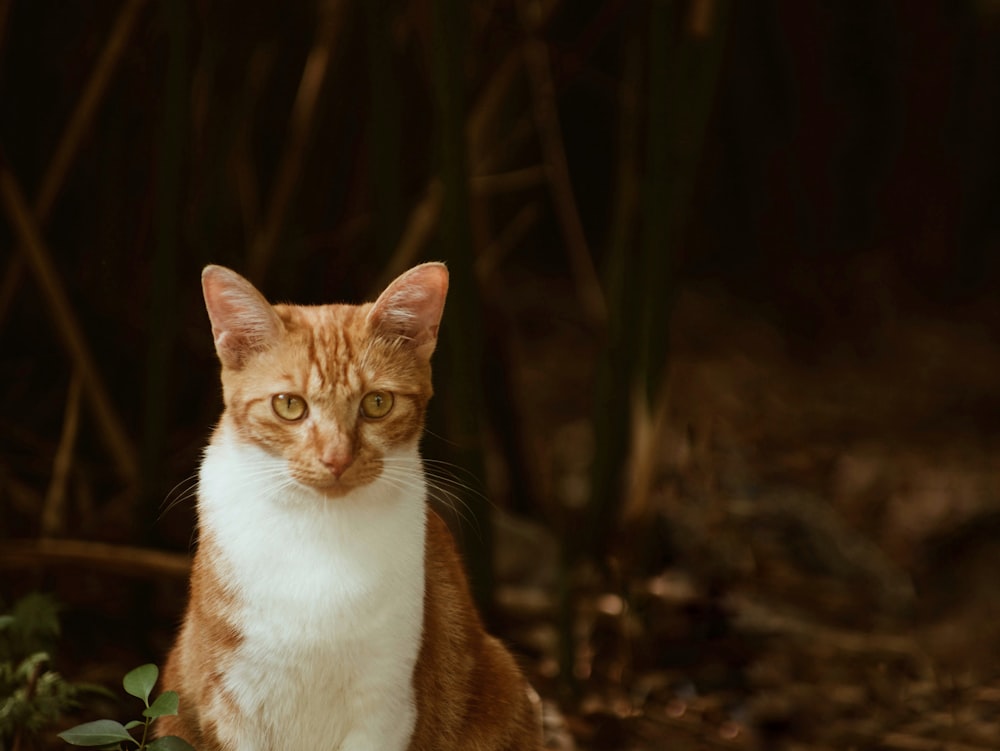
x=716 y=404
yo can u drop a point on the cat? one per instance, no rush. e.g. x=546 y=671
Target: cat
x=328 y=605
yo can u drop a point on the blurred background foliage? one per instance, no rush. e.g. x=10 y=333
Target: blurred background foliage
x=712 y=262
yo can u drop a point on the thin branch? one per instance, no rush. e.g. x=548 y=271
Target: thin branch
x=86 y=107
x=509 y=182
x=488 y=105
x=54 y=511
x=286 y=183
x=537 y=67
x=424 y=216
x=507 y=239
x=77 y=127
x=97 y=556
x=417 y=233
x=40 y=259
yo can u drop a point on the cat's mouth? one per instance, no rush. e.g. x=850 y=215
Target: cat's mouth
x=334 y=486
x=331 y=487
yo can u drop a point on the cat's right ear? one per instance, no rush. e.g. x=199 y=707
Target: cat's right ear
x=243 y=321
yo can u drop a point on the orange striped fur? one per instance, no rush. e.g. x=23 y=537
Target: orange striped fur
x=328 y=606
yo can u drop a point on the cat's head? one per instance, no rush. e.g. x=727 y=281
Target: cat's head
x=335 y=391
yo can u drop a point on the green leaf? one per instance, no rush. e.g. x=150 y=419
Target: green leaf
x=140 y=682
x=97 y=733
x=31 y=663
x=36 y=617
x=165 y=704
x=169 y=743
x=134 y=724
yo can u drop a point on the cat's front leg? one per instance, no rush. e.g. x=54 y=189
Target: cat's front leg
x=383 y=730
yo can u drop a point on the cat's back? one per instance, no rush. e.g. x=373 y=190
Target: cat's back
x=470 y=692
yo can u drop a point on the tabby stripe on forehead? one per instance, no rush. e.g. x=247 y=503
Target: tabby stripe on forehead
x=315 y=369
x=329 y=349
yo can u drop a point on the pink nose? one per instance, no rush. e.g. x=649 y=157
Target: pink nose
x=338 y=460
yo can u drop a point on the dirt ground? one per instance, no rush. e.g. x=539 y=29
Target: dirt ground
x=823 y=513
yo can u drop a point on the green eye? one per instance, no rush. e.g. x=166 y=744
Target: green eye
x=376 y=404
x=289 y=407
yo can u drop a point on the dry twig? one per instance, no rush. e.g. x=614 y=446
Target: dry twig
x=30 y=238
x=537 y=67
x=314 y=73
x=54 y=512
x=507 y=239
x=117 y=559
x=76 y=128
x=28 y=223
x=417 y=232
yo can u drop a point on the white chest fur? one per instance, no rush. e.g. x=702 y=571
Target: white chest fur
x=330 y=602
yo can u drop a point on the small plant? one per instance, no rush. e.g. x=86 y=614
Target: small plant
x=32 y=695
x=111 y=734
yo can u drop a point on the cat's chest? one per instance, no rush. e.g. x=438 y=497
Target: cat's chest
x=321 y=569
x=281 y=543
x=327 y=602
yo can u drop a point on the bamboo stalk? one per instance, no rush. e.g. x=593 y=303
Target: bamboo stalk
x=4 y=15
x=461 y=343
x=616 y=368
x=40 y=259
x=161 y=311
x=8 y=285
x=300 y=127
x=682 y=91
x=384 y=151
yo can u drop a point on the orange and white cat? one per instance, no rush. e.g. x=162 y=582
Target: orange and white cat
x=329 y=608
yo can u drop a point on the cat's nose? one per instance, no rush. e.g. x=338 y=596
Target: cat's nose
x=338 y=460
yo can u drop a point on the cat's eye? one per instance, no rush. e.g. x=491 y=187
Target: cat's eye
x=376 y=404
x=289 y=406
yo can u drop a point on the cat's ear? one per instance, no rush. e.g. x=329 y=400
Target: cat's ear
x=243 y=321
x=412 y=305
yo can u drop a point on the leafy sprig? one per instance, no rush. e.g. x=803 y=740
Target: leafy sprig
x=112 y=734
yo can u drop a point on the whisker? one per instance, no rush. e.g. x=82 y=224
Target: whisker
x=442 y=488
x=439 y=437
x=182 y=491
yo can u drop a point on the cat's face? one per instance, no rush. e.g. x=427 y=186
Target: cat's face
x=335 y=391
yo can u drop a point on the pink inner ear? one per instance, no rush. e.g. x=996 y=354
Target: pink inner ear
x=243 y=322
x=412 y=305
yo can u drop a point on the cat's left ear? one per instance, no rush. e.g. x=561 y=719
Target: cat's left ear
x=412 y=305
